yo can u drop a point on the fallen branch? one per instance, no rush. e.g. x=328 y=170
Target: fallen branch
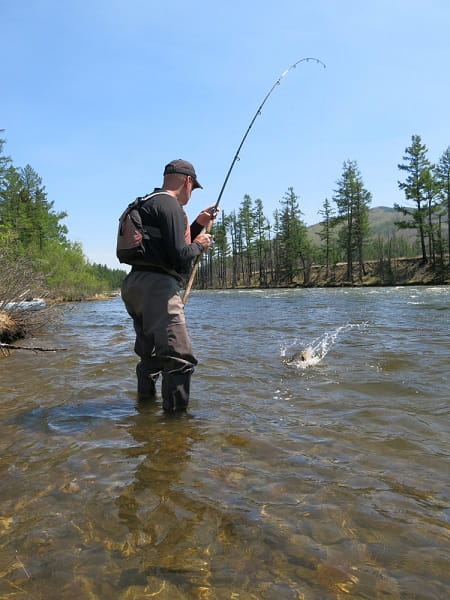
x=33 y=348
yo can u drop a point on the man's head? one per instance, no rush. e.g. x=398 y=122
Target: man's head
x=180 y=180
x=183 y=167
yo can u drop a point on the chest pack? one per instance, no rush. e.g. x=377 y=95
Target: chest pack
x=131 y=234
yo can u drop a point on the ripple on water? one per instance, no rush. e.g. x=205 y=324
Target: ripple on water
x=318 y=482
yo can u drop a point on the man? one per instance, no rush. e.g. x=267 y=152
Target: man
x=151 y=290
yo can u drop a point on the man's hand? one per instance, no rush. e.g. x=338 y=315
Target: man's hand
x=205 y=240
x=207 y=215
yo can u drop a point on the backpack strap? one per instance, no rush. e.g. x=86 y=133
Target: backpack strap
x=152 y=232
x=142 y=199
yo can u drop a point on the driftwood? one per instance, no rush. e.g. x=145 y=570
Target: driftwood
x=32 y=348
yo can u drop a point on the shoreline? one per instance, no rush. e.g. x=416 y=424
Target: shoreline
x=379 y=273
x=12 y=330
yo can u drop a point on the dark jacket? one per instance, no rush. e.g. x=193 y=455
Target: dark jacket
x=166 y=224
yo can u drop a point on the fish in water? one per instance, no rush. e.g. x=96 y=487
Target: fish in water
x=302 y=356
x=298 y=356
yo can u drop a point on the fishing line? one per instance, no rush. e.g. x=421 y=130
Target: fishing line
x=236 y=157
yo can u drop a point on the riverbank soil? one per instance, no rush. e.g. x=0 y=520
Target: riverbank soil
x=395 y=271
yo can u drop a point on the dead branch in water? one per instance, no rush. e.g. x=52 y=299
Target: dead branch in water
x=32 y=348
x=20 y=282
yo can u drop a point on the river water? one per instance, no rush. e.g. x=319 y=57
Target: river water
x=319 y=479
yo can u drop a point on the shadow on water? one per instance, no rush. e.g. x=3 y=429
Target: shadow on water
x=155 y=507
x=69 y=418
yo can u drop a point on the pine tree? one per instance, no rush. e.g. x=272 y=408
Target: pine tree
x=246 y=221
x=442 y=175
x=352 y=201
x=293 y=237
x=262 y=227
x=220 y=249
x=5 y=162
x=276 y=249
x=234 y=229
x=326 y=233
x=416 y=165
x=431 y=192
x=26 y=214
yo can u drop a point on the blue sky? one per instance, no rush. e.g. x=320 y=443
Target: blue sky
x=98 y=96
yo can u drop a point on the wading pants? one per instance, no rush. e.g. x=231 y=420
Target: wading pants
x=162 y=343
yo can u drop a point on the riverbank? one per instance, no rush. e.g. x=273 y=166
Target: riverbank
x=19 y=324
x=394 y=271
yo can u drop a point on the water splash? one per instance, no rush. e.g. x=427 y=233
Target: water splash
x=313 y=353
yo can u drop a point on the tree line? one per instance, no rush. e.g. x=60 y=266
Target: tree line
x=32 y=231
x=251 y=250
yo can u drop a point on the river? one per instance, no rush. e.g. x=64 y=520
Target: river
x=315 y=480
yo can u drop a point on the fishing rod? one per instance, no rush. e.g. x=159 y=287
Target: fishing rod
x=235 y=159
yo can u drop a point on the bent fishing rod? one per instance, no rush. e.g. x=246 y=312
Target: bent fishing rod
x=233 y=162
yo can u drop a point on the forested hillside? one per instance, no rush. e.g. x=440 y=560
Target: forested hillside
x=34 y=240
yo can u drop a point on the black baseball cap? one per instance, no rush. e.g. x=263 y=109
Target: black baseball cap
x=185 y=168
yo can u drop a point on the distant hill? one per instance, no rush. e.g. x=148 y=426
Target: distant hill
x=382 y=221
